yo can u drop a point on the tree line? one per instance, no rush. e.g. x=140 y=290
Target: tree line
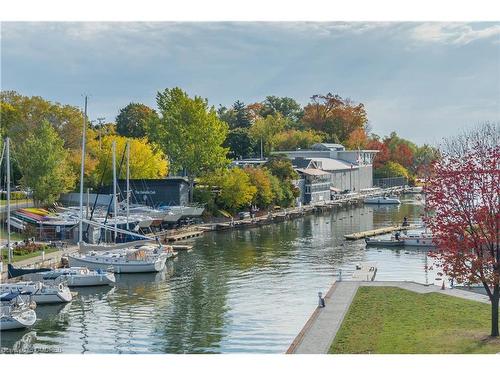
x=185 y=135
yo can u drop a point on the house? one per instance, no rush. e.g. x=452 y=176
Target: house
x=316 y=185
x=349 y=169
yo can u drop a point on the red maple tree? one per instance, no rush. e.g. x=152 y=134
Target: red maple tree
x=462 y=211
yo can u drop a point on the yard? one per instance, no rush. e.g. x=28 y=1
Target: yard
x=393 y=320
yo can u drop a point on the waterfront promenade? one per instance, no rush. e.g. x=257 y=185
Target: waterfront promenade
x=318 y=333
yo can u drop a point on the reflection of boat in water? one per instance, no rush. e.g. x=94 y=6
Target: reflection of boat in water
x=16 y=311
x=382 y=200
x=18 y=342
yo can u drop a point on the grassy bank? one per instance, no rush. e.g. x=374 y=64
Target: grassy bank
x=17 y=258
x=393 y=320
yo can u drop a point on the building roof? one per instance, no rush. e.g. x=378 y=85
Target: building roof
x=328 y=164
x=312 y=171
x=328 y=146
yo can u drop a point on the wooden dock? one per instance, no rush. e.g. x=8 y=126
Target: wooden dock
x=182 y=236
x=365 y=272
x=376 y=232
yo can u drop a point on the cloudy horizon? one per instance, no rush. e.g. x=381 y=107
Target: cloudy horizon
x=423 y=80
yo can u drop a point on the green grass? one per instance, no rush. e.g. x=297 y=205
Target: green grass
x=17 y=258
x=396 y=321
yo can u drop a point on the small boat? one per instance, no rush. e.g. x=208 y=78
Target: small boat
x=16 y=311
x=421 y=239
x=74 y=276
x=384 y=242
x=382 y=200
x=145 y=258
x=41 y=292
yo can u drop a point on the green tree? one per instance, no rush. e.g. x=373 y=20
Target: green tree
x=260 y=178
x=264 y=130
x=281 y=167
x=295 y=139
x=287 y=107
x=240 y=144
x=391 y=169
x=236 y=189
x=132 y=121
x=43 y=162
x=190 y=133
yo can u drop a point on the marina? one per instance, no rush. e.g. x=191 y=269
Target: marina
x=222 y=297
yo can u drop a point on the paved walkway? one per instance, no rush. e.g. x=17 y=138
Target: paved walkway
x=320 y=330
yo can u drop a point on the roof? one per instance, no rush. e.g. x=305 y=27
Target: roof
x=328 y=146
x=328 y=164
x=300 y=162
x=312 y=171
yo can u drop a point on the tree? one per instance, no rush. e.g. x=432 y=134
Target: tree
x=295 y=139
x=43 y=162
x=236 y=117
x=133 y=119
x=189 y=133
x=335 y=116
x=463 y=211
x=281 y=167
x=286 y=107
x=240 y=144
x=236 y=190
x=260 y=178
x=264 y=130
x=31 y=112
x=391 y=169
x=145 y=161
x=357 y=139
x=403 y=155
x=383 y=155
x=423 y=158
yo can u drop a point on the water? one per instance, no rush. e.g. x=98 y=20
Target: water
x=247 y=290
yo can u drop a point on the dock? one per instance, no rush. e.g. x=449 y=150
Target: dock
x=182 y=236
x=378 y=231
x=365 y=272
x=182 y=247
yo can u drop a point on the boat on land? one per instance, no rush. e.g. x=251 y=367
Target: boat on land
x=17 y=311
x=382 y=200
x=143 y=258
x=72 y=276
x=40 y=291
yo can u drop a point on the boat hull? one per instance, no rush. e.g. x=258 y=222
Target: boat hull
x=118 y=267
x=61 y=295
x=390 y=243
x=20 y=320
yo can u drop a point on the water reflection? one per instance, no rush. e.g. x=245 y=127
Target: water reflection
x=247 y=290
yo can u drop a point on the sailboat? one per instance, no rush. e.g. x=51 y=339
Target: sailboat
x=16 y=311
x=122 y=258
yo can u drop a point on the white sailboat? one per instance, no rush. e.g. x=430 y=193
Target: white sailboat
x=382 y=200
x=41 y=292
x=74 y=276
x=16 y=312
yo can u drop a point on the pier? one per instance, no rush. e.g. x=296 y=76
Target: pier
x=378 y=231
x=365 y=272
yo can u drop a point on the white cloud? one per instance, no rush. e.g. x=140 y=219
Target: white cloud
x=453 y=33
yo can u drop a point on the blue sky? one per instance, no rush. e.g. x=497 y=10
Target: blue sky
x=423 y=80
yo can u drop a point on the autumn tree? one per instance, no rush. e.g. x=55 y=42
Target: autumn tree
x=335 y=116
x=235 y=188
x=43 y=162
x=260 y=178
x=357 y=139
x=463 y=211
x=133 y=119
x=391 y=169
x=190 y=133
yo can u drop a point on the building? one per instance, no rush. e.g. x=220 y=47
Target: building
x=316 y=185
x=348 y=169
x=170 y=191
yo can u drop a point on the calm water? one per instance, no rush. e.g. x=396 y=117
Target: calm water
x=238 y=291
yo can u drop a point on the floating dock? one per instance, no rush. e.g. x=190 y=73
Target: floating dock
x=182 y=236
x=365 y=272
x=182 y=247
x=376 y=232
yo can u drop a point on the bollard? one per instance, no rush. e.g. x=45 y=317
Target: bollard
x=43 y=255
x=340 y=275
x=321 y=300
x=442 y=286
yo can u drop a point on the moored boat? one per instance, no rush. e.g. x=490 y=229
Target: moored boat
x=74 y=276
x=16 y=312
x=383 y=242
x=41 y=292
x=382 y=200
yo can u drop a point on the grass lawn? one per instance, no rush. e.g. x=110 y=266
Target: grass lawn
x=394 y=320
x=17 y=258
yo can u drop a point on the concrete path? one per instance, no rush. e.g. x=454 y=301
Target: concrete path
x=318 y=333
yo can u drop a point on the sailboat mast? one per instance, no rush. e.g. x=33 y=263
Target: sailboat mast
x=115 y=210
x=128 y=181
x=7 y=145
x=82 y=169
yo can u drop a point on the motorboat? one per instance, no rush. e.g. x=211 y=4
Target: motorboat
x=74 y=276
x=16 y=311
x=143 y=258
x=40 y=291
x=382 y=200
x=384 y=242
x=420 y=239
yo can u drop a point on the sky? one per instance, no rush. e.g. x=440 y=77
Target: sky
x=425 y=81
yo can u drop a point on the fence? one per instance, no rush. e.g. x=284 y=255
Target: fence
x=390 y=182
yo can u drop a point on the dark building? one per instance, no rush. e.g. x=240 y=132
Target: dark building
x=170 y=191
